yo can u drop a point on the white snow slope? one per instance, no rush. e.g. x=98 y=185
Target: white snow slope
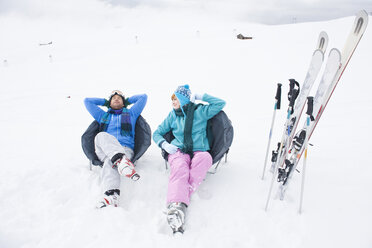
x=48 y=193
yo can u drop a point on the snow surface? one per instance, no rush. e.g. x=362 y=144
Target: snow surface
x=48 y=193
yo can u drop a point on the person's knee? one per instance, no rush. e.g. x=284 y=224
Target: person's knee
x=99 y=136
x=179 y=167
x=179 y=164
x=203 y=157
x=179 y=158
x=102 y=137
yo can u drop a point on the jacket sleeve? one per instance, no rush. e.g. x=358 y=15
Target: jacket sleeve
x=139 y=102
x=92 y=106
x=214 y=107
x=163 y=128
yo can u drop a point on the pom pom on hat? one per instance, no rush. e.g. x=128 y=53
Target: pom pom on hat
x=183 y=93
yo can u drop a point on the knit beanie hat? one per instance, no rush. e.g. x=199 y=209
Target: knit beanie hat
x=183 y=94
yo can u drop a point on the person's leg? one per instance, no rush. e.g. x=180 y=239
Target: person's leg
x=178 y=186
x=200 y=164
x=107 y=145
x=110 y=176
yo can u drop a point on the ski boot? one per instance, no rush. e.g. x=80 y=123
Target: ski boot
x=274 y=158
x=176 y=216
x=125 y=166
x=291 y=124
x=110 y=198
x=284 y=173
x=299 y=140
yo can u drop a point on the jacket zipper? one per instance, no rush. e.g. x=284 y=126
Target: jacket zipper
x=117 y=130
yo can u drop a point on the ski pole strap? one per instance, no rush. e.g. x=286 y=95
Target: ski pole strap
x=278 y=96
x=310 y=105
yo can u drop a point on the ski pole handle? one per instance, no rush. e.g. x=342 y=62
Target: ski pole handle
x=293 y=93
x=310 y=104
x=291 y=87
x=278 y=96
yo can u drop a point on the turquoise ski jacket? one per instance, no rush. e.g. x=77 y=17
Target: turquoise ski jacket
x=176 y=124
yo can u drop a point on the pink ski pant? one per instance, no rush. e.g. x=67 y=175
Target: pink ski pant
x=186 y=175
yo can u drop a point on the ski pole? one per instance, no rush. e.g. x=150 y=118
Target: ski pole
x=309 y=112
x=276 y=106
x=291 y=97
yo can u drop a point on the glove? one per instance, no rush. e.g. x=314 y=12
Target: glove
x=169 y=148
x=107 y=103
x=126 y=102
x=196 y=96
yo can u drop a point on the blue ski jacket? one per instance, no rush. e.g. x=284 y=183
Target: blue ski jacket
x=114 y=126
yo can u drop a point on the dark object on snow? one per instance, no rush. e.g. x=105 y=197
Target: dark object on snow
x=45 y=44
x=242 y=37
x=220 y=133
x=142 y=140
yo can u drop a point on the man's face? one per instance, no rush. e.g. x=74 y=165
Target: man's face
x=117 y=102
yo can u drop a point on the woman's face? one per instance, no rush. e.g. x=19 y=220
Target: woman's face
x=175 y=103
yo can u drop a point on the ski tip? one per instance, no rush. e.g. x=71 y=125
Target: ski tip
x=334 y=52
x=360 y=23
x=322 y=41
x=318 y=54
x=362 y=13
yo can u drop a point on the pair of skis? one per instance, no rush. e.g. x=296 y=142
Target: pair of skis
x=294 y=111
x=285 y=159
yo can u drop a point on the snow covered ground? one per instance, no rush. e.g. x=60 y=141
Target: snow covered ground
x=48 y=193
